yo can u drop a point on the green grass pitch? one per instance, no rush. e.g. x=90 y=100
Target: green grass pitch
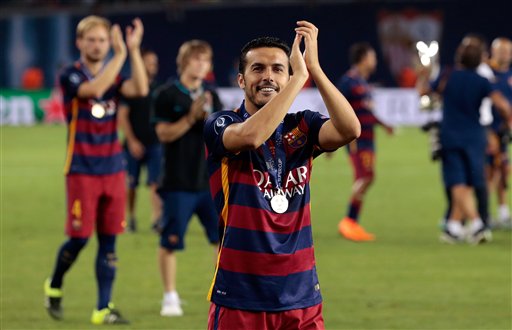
x=404 y=280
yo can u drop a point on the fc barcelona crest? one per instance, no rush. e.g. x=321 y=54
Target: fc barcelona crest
x=296 y=138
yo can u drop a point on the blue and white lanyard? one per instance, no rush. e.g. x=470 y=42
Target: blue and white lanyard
x=274 y=161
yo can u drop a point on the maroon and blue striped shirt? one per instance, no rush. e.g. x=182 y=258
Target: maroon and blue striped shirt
x=266 y=260
x=358 y=93
x=93 y=146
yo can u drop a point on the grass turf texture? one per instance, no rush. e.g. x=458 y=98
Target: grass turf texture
x=404 y=280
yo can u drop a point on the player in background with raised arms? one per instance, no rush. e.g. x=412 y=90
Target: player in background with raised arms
x=260 y=161
x=95 y=179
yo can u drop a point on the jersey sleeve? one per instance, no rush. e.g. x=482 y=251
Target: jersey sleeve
x=314 y=122
x=70 y=80
x=214 y=129
x=118 y=83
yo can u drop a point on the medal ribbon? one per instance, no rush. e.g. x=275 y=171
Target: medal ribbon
x=102 y=104
x=86 y=71
x=273 y=154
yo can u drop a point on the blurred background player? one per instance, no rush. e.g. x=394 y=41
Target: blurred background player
x=463 y=140
x=95 y=179
x=498 y=169
x=354 y=86
x=485 y=118
x=180 y=110
x=141 y=145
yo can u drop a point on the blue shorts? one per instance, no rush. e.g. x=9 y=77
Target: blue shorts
x=178 y=208
x=152 y=159
x=464 y=166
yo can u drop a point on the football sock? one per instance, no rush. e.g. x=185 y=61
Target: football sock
x=454 y=227
x=482 y=199
x=354 y=208
x=449 y=207
x=66 y=256
x=105 y=268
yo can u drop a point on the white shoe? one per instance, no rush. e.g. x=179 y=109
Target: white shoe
x=503 y=223
x=483 y=235
x=503 y=214
x=171 y=308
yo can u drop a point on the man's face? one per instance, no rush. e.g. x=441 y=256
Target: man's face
x=151 y=64
x=502 y=52
x=198 y=65
x=94 y=44
x=265 y=74
x=370 y=61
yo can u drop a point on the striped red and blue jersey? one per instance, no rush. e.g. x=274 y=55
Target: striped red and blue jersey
x=93 y=147
x=357 y=91
x=266 y=260
x=503 y=83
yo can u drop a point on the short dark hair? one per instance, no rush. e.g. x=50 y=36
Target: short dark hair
x=358 y=51
x=262 y=42
x=470 y=56
x=146 y=51
x=478 y=39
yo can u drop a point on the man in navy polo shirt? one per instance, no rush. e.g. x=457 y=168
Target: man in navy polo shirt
x=464 y=141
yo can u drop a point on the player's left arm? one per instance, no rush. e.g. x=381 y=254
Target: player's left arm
x=137 y=85
x=502 y=105
x=343 y=125
x=389 y=129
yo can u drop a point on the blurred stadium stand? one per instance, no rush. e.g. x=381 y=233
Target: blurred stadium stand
x=40 y=33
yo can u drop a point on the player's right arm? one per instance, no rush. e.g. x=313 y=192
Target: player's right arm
x=96 y=87
x=423 y=86
x=502 y=105
x=170 y=126
x=258 y=128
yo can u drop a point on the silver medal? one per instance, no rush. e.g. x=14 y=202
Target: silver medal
x=98 y=110
x=279 y=203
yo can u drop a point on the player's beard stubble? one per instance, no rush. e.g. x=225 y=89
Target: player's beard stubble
x=94 y=56
x=259 y=100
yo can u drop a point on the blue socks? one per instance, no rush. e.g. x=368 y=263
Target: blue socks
x=482 y=198
x=65 y=258
x=105 y=268
x=105 y=264
x=354 y=208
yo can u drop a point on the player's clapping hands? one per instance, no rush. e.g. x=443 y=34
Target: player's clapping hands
x=117 y=41
x=309 y=33
x=198 y=105
x=297 y=59
x=134 y=34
